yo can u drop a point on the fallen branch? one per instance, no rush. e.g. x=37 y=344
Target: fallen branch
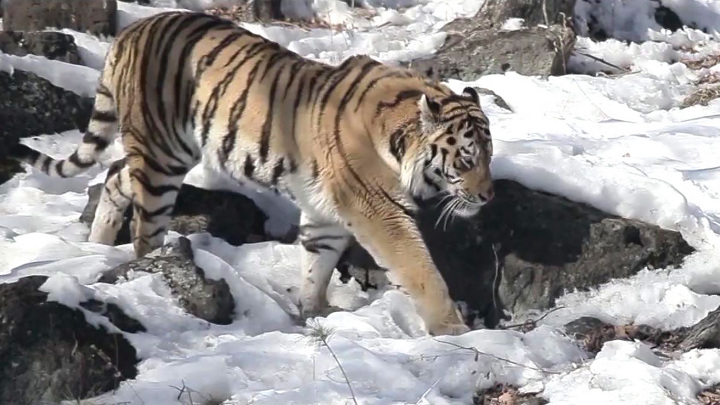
x=479 y=353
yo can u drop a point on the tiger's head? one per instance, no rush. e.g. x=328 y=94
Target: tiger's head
x=453 y=157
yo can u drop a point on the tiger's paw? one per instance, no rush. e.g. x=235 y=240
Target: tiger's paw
x=450 y=329
x=319 y=312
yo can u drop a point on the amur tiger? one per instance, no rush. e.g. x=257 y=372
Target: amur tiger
x=353 y=145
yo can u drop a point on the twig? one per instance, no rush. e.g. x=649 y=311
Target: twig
x=428 y=391
x=479 y=353
x=322 y=334
x=532 y=322
x=497 y=272
x=595 y=58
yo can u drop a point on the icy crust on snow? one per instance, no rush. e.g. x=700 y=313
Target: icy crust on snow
x=619 y=144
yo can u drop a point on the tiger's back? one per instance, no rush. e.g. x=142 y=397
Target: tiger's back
x=352 y=144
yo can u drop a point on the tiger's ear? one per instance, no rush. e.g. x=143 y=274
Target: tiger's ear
x=472 y=94
x=429 y=109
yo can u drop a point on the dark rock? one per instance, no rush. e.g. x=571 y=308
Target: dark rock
x=227 y=215
x=477 y=46
x=668 y=19
x=204 y=298
x=49 y=353
x=268 y=10
x=115 y=315
x=703 y=335
x=96 y=17
x=533 y=247
x=52 y=45
x=31 y=105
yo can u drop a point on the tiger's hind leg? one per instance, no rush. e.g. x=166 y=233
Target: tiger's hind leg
x=155 y=189
x=324 y=243
x=114 y=201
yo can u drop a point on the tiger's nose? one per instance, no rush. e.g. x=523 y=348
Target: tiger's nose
x=487 y=195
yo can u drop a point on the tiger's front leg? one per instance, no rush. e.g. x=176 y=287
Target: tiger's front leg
x=323 y=244
x=391 y=236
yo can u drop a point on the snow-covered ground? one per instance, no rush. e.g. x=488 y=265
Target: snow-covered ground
x=620 y=144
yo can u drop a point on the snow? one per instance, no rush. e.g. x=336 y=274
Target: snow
x=620 y=144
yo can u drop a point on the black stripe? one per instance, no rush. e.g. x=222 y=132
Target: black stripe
x=228 y=142
x=249 y=166
x=316 y=247
x=46 y=165
x=103 y=116
x=101 y=89
x=156 y=191
x=399 y=98
x=278 y=171
x=267 y=125
x=373 y=82
x=315 y=169
x=99 y=142
x=75 y=159
x=220 y=89
x=147 y=215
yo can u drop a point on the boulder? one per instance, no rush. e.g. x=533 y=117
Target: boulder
x=527 y=248
x=479 y=45
x=204 y=298
x=49 y=352
x=227 y=215
x=52 y=45
x=96 y=17
x=31 y=105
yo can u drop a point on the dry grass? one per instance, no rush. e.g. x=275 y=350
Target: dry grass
x=710 y=396
x=502 y=394
x=702 y=96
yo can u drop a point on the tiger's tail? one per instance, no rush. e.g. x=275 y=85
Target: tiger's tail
x=101 y=130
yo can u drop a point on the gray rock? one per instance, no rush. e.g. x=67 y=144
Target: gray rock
x=477 y=46
x=49 y=353
x=494 y=13
x=52 y=45
x=230 y=216
x=96 y=17
x=31 y=105
x=204 y=298
x=703 y=335
x=527 y=248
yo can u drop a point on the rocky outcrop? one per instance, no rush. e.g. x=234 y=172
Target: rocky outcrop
x=31 y=105
x=52 y=45
x=480 y=46
x=96 y=17
x=49 y=352
x=527 y=248
x=594 y=333
x=204 y=298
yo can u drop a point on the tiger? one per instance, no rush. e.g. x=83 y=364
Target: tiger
x=355 y=145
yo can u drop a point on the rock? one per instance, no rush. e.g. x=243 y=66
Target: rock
x=96 y=17
x=478 y=46
x=204 y=298
x=533 y=247
x=532 y=51
x=224 y=214
x=268 y=10
x=31 y=105
x=52 y=45
x=703 y=335
x=494 y=13
x=49 y=353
